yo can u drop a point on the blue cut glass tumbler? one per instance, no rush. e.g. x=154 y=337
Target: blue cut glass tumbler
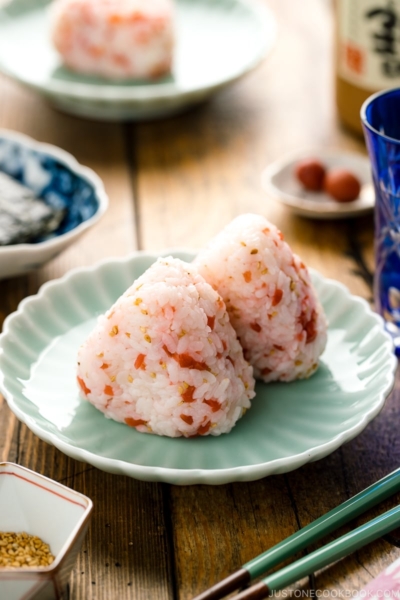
x=380 y=117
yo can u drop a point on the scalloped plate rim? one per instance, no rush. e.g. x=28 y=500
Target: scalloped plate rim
x=179 y=476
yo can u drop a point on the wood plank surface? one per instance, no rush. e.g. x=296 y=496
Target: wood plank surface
x=126 y=553
x=175 y=183
x=209 y=162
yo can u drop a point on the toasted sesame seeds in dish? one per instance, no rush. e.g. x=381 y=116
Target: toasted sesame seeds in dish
x=20 y=549
x=42 y=526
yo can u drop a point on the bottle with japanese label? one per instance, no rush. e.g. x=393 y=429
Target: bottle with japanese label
x=367 y=54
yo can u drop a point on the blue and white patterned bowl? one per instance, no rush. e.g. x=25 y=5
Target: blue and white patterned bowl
x=57 y=178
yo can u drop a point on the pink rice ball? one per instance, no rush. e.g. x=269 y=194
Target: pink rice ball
x=270 y=298
x=115 y=39
x=165 y=359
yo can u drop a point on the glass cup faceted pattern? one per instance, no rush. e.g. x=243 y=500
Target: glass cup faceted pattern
x=380 y=117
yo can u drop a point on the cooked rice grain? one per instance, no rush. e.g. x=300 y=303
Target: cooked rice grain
x=165 y=358
x=116 y=39
x=269 y=296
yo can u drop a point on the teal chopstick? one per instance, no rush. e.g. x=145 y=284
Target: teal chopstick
x=324 y=556
x=342 y=514
x=329 y=522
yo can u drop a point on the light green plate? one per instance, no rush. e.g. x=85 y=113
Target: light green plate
x=218 y=41
x=288 y=425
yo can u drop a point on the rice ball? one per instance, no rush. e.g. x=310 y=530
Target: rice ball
x=269 y=297
x=165 y=359
x=116 y=39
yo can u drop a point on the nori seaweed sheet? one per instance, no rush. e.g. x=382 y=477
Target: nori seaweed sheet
x=23 y=216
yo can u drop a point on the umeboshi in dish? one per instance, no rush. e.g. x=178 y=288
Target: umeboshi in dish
x=311 y=172
x=342 y=185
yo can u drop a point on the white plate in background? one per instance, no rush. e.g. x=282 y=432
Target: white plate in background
x=218 y=41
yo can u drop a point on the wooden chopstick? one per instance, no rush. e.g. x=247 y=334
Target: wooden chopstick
x=324 y=556
x=332 y=520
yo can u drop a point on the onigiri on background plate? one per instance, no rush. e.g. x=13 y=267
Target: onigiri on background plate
x=288 y=425
x=217 y=43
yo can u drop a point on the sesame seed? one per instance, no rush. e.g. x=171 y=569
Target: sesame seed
x=23 y=550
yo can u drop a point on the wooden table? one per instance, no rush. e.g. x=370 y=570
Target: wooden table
x=176 y=183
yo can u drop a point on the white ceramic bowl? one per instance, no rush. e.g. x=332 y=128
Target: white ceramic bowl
x=54 y=175
x=60 y=516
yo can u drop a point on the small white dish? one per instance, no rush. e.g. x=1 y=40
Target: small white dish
x=279 y=182
x=218 y=42
x=56 y=177
x=34 y=504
